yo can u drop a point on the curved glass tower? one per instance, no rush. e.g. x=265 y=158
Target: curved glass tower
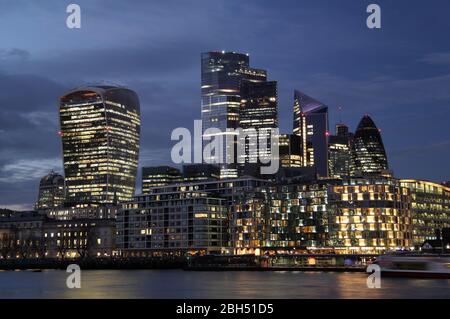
x=100 y=131
x=368 y=151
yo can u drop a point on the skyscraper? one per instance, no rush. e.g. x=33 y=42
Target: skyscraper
x=339 y=156
x=311 y=124
x=368 y=151
x=100 y=131
x=258 y=111
x=51 y=192
x=290 y=151
x=339 y=152
x=221 y=76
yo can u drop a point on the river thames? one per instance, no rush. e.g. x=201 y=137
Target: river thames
x=227 y=285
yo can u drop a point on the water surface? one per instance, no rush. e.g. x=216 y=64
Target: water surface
x=239 y=284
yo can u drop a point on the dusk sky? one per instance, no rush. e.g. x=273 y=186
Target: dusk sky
x=399 y=75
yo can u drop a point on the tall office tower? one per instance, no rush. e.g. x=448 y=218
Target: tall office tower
x=222 y=74
x=100 y=130
x=258 y=111
x=368 y=151
x=51 y=192
x=290 y=151
x=159 y=176
x=342 y=130
x=339 y=156
x=339 y=152
x=311 y=124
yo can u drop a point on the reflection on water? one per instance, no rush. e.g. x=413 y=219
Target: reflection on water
x=182 y=284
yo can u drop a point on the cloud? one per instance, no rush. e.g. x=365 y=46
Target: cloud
x=14 y=53
x=28 y=169
x=421 y=150
x=438 y=58
x=379 y=92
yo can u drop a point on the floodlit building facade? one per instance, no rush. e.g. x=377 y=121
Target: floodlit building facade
x=363 y=216
x=370 y=215
x=100 y=131
x=33 y=235
x=281 y=219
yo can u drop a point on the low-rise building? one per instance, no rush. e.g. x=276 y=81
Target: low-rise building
x=430 y=209
x=33 y=235
x=173 y=223
x=356 y=215
x=370 y=215
x=281 y=219
x=179 y=219
x=92 y=212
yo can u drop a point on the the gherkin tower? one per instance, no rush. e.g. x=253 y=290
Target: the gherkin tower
x=368 y=151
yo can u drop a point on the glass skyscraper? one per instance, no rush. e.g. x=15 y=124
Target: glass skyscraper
x=339 y=152
x=259 y=111
x=221 y=76
x=368 y=151
x=311 y=124
x=100 y=132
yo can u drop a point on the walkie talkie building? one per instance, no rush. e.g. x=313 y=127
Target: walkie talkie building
x=100 y=132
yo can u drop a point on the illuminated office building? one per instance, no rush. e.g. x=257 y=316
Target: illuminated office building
x=159 y=176
x=357 y=215
x=258 y=112
x=339 y=152
x=290 y=151
x=311 y=124
x=51 y=192
x=430 y=209
x=368 y=154
x=221 y=77
x=100 y=129
x=280 y=219
x=370 y=215
x=172 y=222
x=200 y=172
x=182 y=218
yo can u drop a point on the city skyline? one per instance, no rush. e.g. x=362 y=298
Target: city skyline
x=36 y=150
